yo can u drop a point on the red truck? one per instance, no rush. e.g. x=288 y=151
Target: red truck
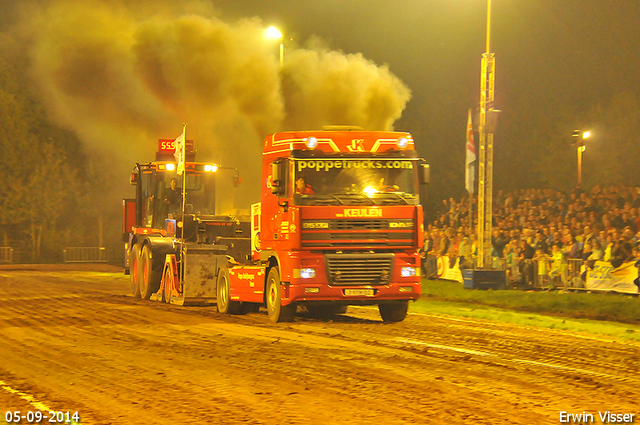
x=339 y=223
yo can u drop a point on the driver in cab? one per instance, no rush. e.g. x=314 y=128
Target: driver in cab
x=173 y=197
x=302 y=188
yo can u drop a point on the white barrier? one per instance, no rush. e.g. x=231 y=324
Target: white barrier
x=6 y=254
x=85 y=255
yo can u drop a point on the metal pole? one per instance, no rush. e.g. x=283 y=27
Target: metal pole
x=579 y=165
x=184 y=199
x=488 y=26
x=485 y=160
x=282 y=53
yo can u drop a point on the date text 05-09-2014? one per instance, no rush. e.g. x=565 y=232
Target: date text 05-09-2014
x=38 y=416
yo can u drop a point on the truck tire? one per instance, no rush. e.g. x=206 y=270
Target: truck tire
x=149 y=280
x=223 y=295
x=168 y=285
x=394 y=311
x=134 y=270
x=277 y=312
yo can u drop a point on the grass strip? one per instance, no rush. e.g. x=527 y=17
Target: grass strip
x=573 y=311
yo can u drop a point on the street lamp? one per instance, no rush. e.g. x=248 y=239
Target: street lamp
x=578 y=139
x=272 y=32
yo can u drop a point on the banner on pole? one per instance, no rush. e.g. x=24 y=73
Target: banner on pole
x=179 y=153
x=469 y=171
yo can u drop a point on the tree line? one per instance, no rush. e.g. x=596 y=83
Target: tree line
x=50 y=188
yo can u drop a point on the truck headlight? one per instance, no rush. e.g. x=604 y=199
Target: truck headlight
x=408 y=271
x=306 y=273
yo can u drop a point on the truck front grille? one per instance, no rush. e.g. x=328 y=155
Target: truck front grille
x=359 y=234
x=358 y=269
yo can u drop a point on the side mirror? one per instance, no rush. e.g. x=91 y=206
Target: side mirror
x=425 y=174
x=277 y=178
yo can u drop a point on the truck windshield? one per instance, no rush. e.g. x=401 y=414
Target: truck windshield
x=199 y=192
x=163 y=194
x=359 y=181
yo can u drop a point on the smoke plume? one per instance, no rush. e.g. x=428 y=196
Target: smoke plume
x=124 y=76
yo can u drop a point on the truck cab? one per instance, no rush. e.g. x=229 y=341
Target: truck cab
x=340 y=221
x=156 y=224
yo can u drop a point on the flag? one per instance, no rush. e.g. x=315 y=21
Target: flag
x=469 y=171
x=179 y=152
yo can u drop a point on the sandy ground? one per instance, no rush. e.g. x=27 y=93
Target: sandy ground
x=73 y=340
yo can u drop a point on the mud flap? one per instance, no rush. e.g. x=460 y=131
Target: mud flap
x=169 y=285
x=201 y=264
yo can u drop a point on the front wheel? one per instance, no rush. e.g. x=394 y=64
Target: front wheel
x=168 y=284
x=394 y=311
x=277 y=312
x=134 y=270
x=149 y=278
x=223 y=295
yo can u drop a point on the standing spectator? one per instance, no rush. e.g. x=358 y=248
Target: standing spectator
x=627 y=221
x=445 y=243
x=557 y=266
x=464 y=252
x=622 y=251
x=636 y=256
x=427 y=247
x=525 y=262
x=608 y=248
x=572 y=248
x=596 y=252
x=498 y=242
x=540 y=242
x=510 y=259
x=589 y=234
x=474 y=248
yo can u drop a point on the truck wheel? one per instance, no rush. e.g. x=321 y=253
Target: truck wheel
x=223 y=295
x=168 y=285
x=134 y=270
x=149 y=278
x=394 y=311
x=277 y=312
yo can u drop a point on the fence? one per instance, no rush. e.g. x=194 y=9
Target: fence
x=6 y=254
x=85 y=255
x=538 y=273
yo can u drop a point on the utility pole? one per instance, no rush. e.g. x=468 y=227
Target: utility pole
x=485 y=161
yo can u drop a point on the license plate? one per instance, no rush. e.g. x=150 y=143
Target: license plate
x=359 y=292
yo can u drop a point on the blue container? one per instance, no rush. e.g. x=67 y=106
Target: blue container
x=484 y=279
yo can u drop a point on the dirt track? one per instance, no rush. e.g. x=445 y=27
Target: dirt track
x=75 y=341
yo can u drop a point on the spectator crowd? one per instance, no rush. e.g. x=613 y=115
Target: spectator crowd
x=602 y=224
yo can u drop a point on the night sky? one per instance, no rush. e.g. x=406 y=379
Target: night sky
x=555 y=60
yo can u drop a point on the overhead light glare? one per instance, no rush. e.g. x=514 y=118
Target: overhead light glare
x=272 y=32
